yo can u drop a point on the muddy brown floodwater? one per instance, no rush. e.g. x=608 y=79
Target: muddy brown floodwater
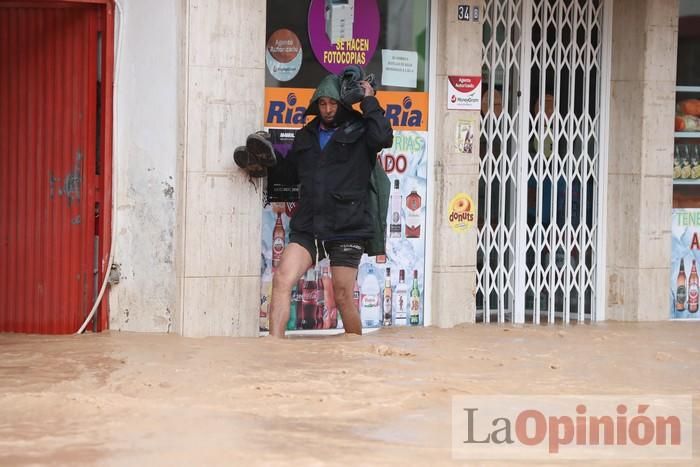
x=380 y=399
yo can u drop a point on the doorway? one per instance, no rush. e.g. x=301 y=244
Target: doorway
x=539 y=191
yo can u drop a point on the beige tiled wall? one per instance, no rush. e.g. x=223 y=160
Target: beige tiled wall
x=454 y=254
x=640 y=184
x=220 y=215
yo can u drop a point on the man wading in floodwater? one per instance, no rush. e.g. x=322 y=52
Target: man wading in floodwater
x=332 y=158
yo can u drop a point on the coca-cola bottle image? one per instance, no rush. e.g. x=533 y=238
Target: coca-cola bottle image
x=299 y=306
x=277 y=242
x=330 y=314
x=320 y=301
x=308 y=301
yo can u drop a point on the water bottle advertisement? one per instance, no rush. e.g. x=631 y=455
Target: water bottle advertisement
x=685 y=254
x=389 y=289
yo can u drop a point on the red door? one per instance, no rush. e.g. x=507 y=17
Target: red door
x=52 y=159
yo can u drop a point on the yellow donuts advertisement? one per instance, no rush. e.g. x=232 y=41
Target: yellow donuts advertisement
x=461 y=213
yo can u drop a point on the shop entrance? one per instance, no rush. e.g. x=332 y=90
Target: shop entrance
x=541 y=174
x=55 y=163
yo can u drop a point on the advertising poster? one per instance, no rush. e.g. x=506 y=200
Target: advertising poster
x=685 y=253
x=305 y=44
x=460 y=213
x=464 y=92
x=464 y=140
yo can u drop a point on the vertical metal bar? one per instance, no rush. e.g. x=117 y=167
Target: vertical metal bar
x=555 y=165
x=523 y=156
x=491 y=280
x=568 y=162
x=503 y=120
x=584 y=233
x=601 y=211
x=93 y=134
x=42 y=178
x=512 y=148
x=4 y=168
x=541 y=118
x=31 y=188
x=64 y=159
x=21 y=197
x=16 y=169
x=52 y=176
x=482 y=272
x=106 y=141
x=488 y=234
x=91 y=142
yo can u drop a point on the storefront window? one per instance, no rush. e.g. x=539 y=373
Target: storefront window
x=686 y=167
x=368 y=30
x=389 y=40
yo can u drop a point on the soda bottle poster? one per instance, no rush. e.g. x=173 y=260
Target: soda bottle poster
x=685 y=256
x=389 y=289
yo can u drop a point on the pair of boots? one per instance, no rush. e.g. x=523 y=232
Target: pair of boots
x=257 y=155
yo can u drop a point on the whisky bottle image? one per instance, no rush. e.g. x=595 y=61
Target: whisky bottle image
x=693 y=289
x=388 y=317
x=680 y=289
x=414 y=318
x=277 y=242
x=400 y=305
x=413 y=204
x=395 y=221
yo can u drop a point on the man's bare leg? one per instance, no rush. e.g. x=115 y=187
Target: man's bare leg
x=295 y=261
x=343 y=286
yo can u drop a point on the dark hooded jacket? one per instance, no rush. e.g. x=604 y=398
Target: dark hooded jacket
x=334 y=181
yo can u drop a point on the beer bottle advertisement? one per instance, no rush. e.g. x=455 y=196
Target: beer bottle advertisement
x=303 y=44
x=685 y=254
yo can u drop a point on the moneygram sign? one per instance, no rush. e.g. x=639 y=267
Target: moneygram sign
x=285 y=107
x=572 y=427
x=464 y=92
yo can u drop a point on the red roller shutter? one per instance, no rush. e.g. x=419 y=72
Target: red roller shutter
x=52 y=148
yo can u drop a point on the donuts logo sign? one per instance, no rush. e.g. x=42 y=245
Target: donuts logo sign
x=461 y=213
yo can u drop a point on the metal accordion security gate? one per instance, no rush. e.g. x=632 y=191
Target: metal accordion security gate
x=542 y=173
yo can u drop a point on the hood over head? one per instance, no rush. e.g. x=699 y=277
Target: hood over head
x=328 y=87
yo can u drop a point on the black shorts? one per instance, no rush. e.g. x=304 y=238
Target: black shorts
x=341 y=252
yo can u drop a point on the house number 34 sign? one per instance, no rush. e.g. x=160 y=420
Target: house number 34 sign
x=463 y=12
x=467 y=13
